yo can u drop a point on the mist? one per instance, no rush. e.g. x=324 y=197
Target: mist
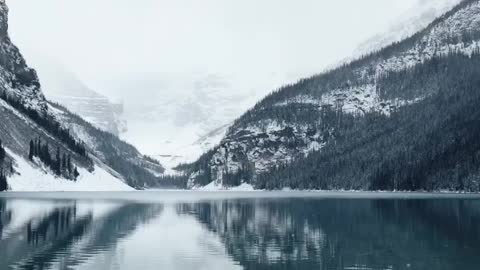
x=109 y=41
x=186 y=68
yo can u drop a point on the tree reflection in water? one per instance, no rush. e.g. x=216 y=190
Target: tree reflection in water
x=345 y=234
x=281 y=233
x=63 y=238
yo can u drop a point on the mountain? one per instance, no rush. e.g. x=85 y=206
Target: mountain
x=46 y=147
x=405 y=118
x=62 y=86
x=413 y=20
x=185 y=114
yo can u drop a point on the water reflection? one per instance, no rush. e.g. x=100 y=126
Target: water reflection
x=68 y=234
x=345 y=234
x=249 y=233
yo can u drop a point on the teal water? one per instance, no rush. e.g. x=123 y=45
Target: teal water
x=200 y=230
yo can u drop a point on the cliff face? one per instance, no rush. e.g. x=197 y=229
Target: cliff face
x=62 y=86
x=16 y=78
x=104 y=162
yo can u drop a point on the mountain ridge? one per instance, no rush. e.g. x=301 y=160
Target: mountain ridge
x=303 y=118
x=46 y=152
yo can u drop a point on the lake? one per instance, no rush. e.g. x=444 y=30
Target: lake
x=233 y=230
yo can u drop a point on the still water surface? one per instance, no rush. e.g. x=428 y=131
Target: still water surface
x=190 y=230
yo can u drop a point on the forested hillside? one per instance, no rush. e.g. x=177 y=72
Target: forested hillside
x=400 y=118
x=138 y=170
x=46 y=147
x=430 y=145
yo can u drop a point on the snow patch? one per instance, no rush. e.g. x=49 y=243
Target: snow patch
x=33 y=179
x=214 y=186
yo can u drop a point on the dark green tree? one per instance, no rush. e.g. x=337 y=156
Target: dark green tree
x=31 y=152
x=3 y=181
x=2 y=153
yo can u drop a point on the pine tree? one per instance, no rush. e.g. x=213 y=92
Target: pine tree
x=76 y=174
x=3 y=181
x=2 y=153
x=64 y=162
x=58 y=162
x=69 y=165
x=37 y=149
x=31 y=153
x=48 y=157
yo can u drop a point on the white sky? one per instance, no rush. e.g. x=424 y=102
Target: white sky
x=109 y=41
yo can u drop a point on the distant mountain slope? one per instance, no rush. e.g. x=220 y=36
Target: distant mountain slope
x=432 y=144
x=124 y=158
x=181 y=111
x=317 y=114
x=63 y=87
x=413 y=20
x=47 y=147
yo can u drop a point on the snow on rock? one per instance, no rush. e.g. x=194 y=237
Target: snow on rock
x=264 y=146
x=191 y=113
x=443 y=38
x=215 y=186
x=16 y=78
x=415 y=19
x=266 y=143
x=354 y=100
x=243 y=187
x=31 y=178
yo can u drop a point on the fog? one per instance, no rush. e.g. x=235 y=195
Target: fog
x=184 y=68
x=109 y=41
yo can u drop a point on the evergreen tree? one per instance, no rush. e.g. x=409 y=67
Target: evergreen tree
x=58 y=162
x=61 y=164
x=69 y=165
x=3 y=181
x=2 y=153
x=37 y=148
x=31 y=152
x=64 y=162
x=76 y=174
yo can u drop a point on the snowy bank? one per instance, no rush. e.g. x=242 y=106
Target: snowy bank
x=218 y=187
x=34 y=179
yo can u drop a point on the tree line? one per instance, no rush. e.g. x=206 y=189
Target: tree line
x=60 y=164
x=49 y=124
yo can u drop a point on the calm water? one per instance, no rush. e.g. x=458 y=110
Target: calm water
x=188 y=230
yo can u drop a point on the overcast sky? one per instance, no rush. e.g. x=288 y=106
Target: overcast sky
x=106 y=41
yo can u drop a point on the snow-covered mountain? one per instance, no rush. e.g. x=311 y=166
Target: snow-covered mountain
x=62 y=86
x=415 y=19
x=16 y=78
x=304 y=118
x=194 y=113
x=177 y=117
x=49 y=148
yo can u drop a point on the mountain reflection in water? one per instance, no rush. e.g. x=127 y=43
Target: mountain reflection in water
x=253 y=233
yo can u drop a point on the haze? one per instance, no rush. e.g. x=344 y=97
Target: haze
x=184 y=68
x=112 y=40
